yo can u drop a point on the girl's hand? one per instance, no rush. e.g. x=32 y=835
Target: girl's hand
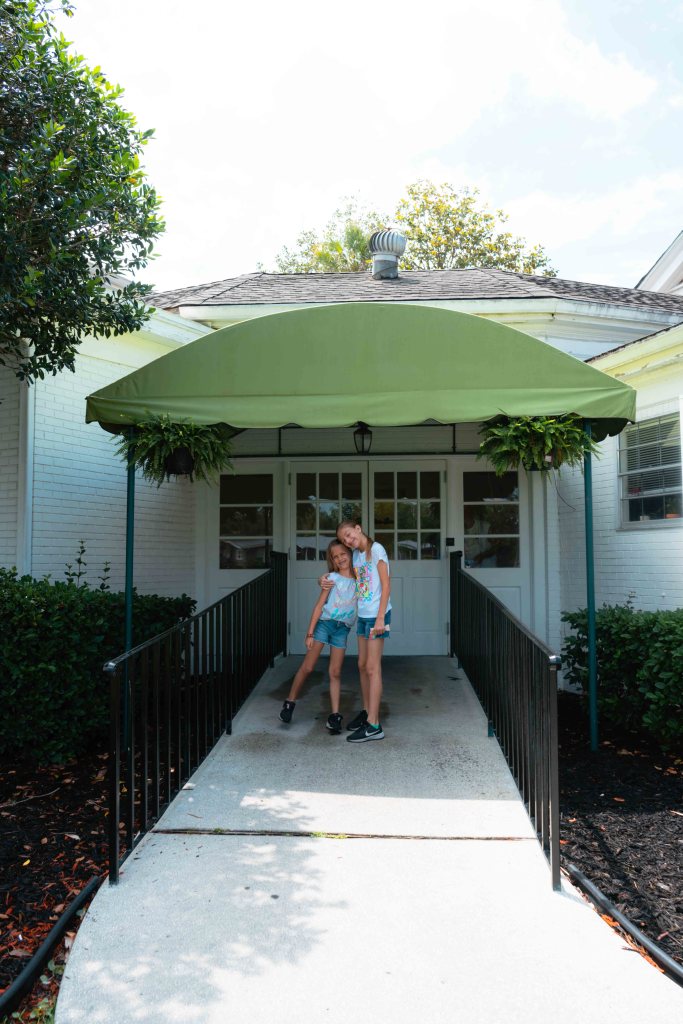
x=309 y=642
x=378 y=627
x=325 y=582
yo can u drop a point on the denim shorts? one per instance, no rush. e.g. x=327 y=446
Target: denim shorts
x=332 y=632
x=363 y=627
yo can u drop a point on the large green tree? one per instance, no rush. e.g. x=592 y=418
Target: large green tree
x=341 y=248
x=76 y=212
x=446 y=230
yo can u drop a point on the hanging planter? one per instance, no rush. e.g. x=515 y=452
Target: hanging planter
x=162 y=447
x=535 y=442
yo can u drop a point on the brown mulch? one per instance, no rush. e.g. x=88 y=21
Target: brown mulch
x=52 y=822
x=621 y=824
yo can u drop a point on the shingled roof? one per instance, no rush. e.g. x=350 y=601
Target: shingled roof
x=410 y=286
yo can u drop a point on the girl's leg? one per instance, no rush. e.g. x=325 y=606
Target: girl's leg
x=373 y=669
x=305 y=669
x=336 y=662
x=363 y=645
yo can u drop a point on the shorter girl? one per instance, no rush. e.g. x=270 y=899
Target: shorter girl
x=331 y=621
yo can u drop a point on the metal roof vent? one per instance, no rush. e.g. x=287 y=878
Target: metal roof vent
x=386 y=247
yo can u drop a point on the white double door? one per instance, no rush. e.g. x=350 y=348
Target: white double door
x=401 y=505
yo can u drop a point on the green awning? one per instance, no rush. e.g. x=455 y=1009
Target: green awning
x=386 y=364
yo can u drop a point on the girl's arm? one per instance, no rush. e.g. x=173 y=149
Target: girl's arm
x=385 y=583
x=315 y=615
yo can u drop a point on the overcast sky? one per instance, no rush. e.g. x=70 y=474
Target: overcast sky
x=565 y=113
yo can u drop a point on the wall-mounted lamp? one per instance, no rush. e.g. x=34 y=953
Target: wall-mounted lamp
x=362 y=438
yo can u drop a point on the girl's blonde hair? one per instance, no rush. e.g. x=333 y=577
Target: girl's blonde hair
x=336 y=544
x=352 y=523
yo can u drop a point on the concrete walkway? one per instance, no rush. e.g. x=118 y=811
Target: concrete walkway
x=443 y=912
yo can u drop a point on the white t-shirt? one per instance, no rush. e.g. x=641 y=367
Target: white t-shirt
x=369 y=583
x=342 y=603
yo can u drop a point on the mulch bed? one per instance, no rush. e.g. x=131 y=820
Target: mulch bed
x=621 y=824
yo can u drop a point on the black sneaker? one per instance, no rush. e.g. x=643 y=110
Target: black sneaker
x=366 y=732
x=334 y=724
x=287 y=710
x=355 y=723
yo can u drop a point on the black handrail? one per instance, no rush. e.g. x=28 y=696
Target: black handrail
x=514 y=675
x=183 y=688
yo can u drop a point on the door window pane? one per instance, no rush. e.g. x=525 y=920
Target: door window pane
x=489 y=487
x=407 y=515
x=384 y=485
x=430 y=485
x=306 y=486
x=387 y=542
x=306 y=548
x=329 y=485
x=406 y=547
x=351 y=510
x=406 y=485
x=430 y=513
x=245 y=520
x=430 y=545
x=244 y=553
x=328 y=515
x=384 y=514
x=250 y=489
x=351 y=486
x=485 y=519
x=492 y=552
x=305 y=516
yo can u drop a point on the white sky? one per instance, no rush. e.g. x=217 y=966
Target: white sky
x=566 y=113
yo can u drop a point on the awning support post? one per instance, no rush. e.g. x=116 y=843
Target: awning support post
x=128 y=587
x=590 y=594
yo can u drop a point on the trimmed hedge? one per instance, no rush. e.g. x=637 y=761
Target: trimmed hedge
x=54 y=640
x=640 y=668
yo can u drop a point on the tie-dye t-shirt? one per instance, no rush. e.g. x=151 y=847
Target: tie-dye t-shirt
x=342 y=603
x=369 y=583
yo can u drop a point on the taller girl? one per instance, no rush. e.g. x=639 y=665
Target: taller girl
x=371 y=567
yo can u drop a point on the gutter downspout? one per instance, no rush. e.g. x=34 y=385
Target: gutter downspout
x=27 y=437
x=590 y=593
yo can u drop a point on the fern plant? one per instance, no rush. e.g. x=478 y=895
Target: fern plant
x=157 y=439
x=535 y=442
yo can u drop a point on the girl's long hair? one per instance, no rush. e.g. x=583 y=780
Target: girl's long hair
x=352 y=523
x=328 y=554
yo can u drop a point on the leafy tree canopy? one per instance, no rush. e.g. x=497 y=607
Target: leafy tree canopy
x=342 y=248
x=76 y=212
x=446 y=230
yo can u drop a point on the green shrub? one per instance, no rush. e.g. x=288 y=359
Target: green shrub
x=54 y=640
x=640 y=668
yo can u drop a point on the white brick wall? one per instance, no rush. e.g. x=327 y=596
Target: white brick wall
x=645 y=561
x=9 y=465
x=80 y=492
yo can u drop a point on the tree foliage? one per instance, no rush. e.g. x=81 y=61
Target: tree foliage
x=446 y=230
x=342 y=248
x=76 y=212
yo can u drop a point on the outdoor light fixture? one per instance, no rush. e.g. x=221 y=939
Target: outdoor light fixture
x=362 y=438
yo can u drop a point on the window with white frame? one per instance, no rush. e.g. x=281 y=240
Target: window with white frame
x=246 y=521
x=650 y=471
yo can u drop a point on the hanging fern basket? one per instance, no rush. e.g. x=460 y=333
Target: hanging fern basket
x=161 y=447
x=537 y=443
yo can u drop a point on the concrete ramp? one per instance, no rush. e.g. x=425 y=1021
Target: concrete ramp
x=307 y=879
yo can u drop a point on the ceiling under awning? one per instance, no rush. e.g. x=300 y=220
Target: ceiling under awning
x=385 y=364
